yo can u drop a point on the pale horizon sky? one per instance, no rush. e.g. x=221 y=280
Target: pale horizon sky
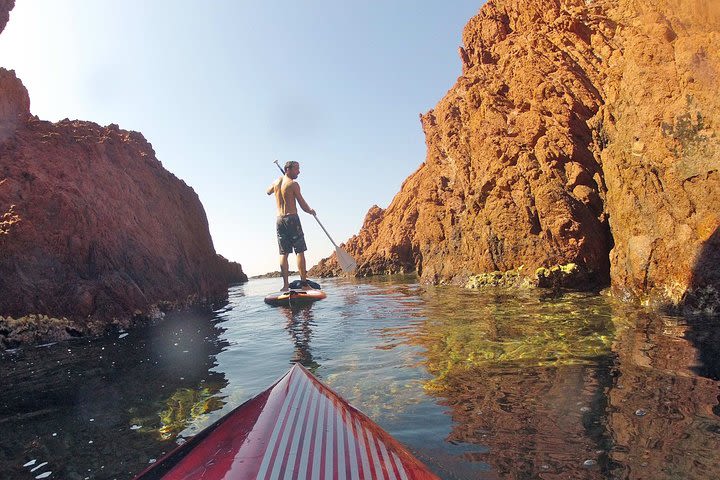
x=223 y=88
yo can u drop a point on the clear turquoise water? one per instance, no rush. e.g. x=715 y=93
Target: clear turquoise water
x=478 y=384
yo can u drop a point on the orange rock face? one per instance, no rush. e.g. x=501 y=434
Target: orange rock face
x=658 y=144
x=579 y=132
x=98 y=231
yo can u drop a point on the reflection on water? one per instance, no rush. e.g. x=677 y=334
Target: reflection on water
x=478 y=384
x=662 y=415
x=574 y=386
x=299 y=325
x=93 y=409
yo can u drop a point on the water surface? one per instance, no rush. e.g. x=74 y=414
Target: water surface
x=487 y=384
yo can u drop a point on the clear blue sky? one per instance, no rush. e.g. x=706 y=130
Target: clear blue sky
x=222 y=88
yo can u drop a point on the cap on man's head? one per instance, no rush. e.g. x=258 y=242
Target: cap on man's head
x=290 y=164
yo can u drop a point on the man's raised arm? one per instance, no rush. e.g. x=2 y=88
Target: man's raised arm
x=271 y=188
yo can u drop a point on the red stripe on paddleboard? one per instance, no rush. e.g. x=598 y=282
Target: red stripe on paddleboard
x=284 y=449
x=314 y=471
x=387 y=468
x=306 y=453
x=364 y=450
x=339 y=446
x=399 y=465
x=268 y=461
x=299 y=446
x=331 y=458
x=325 y=442
x=350 y=454
x=372 y=447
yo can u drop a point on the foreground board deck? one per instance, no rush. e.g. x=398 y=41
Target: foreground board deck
x=296 y=429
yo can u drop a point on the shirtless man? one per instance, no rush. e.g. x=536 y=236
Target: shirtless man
x=289 y=231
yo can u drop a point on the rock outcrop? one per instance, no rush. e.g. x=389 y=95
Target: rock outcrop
x=580 y=132
x=94 y=230
x=5 y=7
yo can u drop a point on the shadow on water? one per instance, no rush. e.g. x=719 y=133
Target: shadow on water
x=705 y=296
x=96 y=408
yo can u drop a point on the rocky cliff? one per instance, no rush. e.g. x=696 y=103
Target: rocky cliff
x=93 y=229
x=580 y=132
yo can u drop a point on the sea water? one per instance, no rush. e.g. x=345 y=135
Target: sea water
x=487 y=384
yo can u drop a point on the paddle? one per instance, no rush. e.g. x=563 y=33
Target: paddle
x=346 y=261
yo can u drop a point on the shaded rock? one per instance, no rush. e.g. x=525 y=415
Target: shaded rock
x=33 y=329
x=5 y=7
x=105 y=233
x=93 y=230
x=231 y=271
x=14 y=104
x=562 y=276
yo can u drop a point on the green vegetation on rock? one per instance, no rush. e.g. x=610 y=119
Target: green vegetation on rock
x=509 y=278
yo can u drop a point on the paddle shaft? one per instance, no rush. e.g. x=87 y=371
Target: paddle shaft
x=326 y=232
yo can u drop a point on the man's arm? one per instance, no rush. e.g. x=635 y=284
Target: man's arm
x=301 y=200
x=271 y=188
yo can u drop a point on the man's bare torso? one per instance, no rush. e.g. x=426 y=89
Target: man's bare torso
x=285 y=189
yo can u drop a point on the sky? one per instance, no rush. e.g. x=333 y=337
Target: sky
x=222 y=88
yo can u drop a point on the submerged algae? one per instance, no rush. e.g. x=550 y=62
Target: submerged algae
x=532 y=329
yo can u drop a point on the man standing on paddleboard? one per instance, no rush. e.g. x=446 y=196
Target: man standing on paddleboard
x=289 y=231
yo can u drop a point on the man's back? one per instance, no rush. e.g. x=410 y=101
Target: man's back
x=285 y=196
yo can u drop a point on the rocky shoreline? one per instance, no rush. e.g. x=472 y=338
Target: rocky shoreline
x=276 y=274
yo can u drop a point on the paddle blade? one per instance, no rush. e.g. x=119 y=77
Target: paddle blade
x=346 y=261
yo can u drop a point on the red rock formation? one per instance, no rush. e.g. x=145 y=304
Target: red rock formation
x=14 y=104
x=579 y=132
x=658 y=144
x=5 y=7
x=98 y=231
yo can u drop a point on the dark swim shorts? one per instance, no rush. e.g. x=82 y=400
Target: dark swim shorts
x=290 y=235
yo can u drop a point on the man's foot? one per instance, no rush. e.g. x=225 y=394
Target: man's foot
x=305 y=285
x=285 y=288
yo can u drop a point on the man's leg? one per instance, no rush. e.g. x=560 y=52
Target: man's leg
x=301 y=267
x=284 y=271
